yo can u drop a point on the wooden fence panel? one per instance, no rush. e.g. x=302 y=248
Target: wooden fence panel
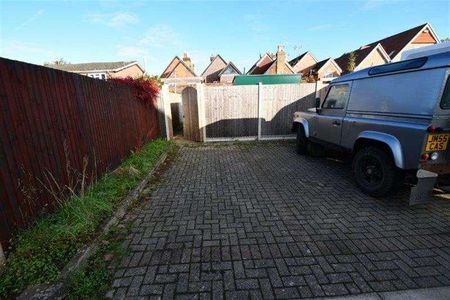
x=52 y=123
x=279 y=102
x=231 y=111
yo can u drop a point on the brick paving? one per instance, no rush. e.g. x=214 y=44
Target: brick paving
x=262 y=222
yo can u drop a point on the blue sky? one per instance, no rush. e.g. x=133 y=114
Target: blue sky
x=86 y=31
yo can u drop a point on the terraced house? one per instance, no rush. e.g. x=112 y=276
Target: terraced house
x=219 y=71
x=387 y=49
x=103 y=70
x=179 y=73
x=269 y=64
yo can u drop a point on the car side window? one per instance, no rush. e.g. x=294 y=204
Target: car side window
x=337 y=97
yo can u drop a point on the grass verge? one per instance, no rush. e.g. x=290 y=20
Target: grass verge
x=94 y=280
x=41 y=251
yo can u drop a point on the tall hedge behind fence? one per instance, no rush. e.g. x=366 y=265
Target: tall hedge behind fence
x=56 y=126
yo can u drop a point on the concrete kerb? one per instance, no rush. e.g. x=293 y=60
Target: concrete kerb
x=57 y=289
x=2 y=255
x=437 y=293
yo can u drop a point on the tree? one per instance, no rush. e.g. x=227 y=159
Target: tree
x=156 y=78
x=60 y=61
x=351 y=65
x=447 y=39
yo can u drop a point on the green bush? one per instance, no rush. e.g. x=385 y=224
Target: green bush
x=41 y=251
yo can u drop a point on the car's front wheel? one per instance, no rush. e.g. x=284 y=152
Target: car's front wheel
x=374 y=170
x=301 y=146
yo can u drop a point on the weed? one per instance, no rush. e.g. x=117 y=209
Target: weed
x=94 y=280
x=41 y=251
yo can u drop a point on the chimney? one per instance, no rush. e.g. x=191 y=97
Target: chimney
x=187 y=61
x=211 y=58
x=281 y=59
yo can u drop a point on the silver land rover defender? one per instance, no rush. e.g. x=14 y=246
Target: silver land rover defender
x=394 y=119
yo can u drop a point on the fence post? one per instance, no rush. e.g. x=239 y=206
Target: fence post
x=2 y=255
x=201 y=111
x=166 y=109
x=260 y=95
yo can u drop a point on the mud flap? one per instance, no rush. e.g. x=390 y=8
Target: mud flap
x=421 y=192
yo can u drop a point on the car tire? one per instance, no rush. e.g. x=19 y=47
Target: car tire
x=375 y=172
x=301 y=146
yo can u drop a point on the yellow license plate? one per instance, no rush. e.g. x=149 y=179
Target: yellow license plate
x=437 y=142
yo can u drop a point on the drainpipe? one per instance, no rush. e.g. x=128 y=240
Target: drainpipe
x=2 y=255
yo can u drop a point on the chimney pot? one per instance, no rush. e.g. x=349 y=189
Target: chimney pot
x=187 y=60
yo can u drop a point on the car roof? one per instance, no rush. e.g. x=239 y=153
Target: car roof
x=432 y=61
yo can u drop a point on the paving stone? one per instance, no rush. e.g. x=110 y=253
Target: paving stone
x=258 y=221
x=334 y=289
x=246 y=284
x=286 y=293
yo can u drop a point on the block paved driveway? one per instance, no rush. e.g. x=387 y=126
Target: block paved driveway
x=260 y=221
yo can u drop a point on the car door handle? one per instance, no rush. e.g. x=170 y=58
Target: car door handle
x=336 y=123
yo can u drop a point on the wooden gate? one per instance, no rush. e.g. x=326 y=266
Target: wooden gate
x=191 y=129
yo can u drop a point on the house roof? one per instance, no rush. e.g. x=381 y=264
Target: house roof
x=94 y=66
x=321 y=63
x=395 y=43
x=213 y=71
x=217 y=57
x=262 y=65
x=295 y=60
x=433 y=61
x=360 y=55
x=230 y=65
x=324 y=62
x=171 y=67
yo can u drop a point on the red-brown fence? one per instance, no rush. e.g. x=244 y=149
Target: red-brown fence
x=54 y=124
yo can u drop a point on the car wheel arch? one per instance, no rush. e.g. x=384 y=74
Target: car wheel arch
x=302 y=123
x=383 y=140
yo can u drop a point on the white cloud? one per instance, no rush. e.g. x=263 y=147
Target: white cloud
x=117 y=19
x=31 y=19
x=23 y=51
x=130 y=51
x=149 y=47
x=160 y=36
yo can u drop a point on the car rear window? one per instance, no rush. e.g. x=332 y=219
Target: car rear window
x=445 y=100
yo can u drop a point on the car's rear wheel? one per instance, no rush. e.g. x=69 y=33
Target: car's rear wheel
x=301 y=146
x=374 y=170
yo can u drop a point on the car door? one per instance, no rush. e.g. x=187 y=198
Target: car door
x=331 y=115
